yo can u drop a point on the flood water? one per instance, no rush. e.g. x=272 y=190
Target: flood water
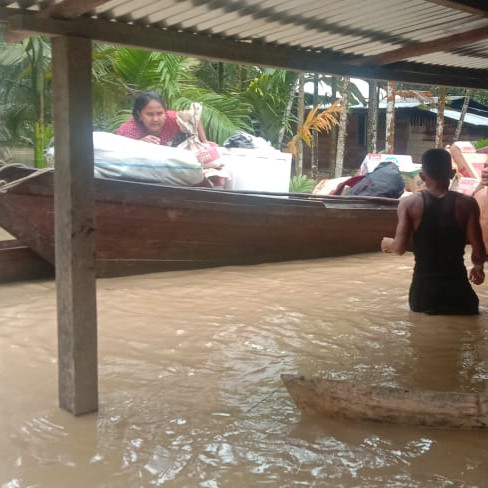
x=190 y=389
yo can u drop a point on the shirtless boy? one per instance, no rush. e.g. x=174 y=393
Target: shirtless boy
x=438 y=223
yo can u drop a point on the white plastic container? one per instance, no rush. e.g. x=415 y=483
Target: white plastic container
x=257 y=169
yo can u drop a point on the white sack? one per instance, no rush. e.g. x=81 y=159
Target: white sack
x=123 y=158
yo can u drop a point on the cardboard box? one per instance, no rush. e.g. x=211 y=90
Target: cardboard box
x=464 y=146
x=473 y=164
x=412 y=179
x=257 y=169
x=464 y=184
x=466 y=161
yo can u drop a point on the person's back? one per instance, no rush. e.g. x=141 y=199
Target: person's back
x=440 y=284
x=439 y=223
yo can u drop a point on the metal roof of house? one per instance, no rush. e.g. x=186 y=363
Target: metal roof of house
x=423 y=41
x=470 y=119
x=479 y=119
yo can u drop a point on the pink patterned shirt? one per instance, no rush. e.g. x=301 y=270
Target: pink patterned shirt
x=135 y=131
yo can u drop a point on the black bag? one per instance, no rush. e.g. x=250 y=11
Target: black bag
x=385 y=181
x=240 y=139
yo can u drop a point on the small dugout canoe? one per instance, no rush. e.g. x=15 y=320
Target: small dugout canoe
x=357 y=401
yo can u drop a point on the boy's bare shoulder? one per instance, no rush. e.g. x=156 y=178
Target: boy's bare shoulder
x=411 y=200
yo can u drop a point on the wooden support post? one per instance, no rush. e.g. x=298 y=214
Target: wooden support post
x=74 y=225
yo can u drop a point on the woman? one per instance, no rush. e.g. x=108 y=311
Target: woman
x=152 y=122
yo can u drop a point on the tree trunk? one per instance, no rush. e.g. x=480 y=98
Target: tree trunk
x=301 y=118
x=286 y=116
x=39 y=159
x=360 y=401
x=314 y=170
x=372 y=130
x=38 y=84
x=341 y=136
x=333 y=131
x=439 y=132
x=462 y=116
x=390 y=119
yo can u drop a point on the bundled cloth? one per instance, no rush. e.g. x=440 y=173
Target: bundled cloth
x=188 y=120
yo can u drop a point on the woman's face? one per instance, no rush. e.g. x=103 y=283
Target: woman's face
x=153 y=117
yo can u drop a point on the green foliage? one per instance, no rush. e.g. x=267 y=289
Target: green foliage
x=25 y=93
x=123 y=72
x=301 y=184
x=270 y=95
x=481 y=143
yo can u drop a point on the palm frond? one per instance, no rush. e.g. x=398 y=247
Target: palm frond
x=316 y=122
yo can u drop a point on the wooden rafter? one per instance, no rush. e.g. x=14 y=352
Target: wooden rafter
x=474 y=7
x=70 y=8
x=421 y=48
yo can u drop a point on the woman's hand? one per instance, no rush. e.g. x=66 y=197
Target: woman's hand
x=151 y=139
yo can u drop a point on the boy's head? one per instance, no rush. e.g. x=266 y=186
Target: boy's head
x=436 y=163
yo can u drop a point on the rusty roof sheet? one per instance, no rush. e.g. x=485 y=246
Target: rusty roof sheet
x=414 y=40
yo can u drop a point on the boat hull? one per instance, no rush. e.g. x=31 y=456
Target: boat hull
x=146 y=228
x=18 y=262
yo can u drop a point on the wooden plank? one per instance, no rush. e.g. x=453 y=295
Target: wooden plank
x=358 y=401
x=475 y=7
x=74 y=226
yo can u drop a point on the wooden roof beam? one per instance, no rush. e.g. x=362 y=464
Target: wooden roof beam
x=421 y=48
x=67 y=9
x=474 y=7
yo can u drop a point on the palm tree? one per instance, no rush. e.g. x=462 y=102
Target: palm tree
x=373 y=102
x=122 y=72
x=464 y=110
x=390 y=118
x=271 y=95
x=341 y=136
x=392 y=92
x=439 y=133
x=316 y=121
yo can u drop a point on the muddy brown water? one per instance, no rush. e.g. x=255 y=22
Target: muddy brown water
x=190 y=393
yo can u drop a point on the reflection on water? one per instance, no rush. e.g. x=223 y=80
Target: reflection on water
x=190 y=394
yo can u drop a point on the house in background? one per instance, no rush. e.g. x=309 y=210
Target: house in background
x=415 y=128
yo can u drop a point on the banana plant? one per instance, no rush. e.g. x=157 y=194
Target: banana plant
x=25 y=93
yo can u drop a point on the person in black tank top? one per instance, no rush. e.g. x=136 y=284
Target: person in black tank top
x=438 y=224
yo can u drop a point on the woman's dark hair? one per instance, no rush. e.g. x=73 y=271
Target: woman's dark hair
x=437 y=164
x=142 y=100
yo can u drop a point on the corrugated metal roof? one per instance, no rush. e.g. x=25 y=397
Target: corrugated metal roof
x=334 y=35
x=470 y=119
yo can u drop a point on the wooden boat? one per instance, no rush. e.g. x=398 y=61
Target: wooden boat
x=341 y=399
x=147 y=227
x=18 y=262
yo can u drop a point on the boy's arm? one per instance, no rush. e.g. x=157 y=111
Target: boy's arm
x=400 y=243
x=474 y=237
